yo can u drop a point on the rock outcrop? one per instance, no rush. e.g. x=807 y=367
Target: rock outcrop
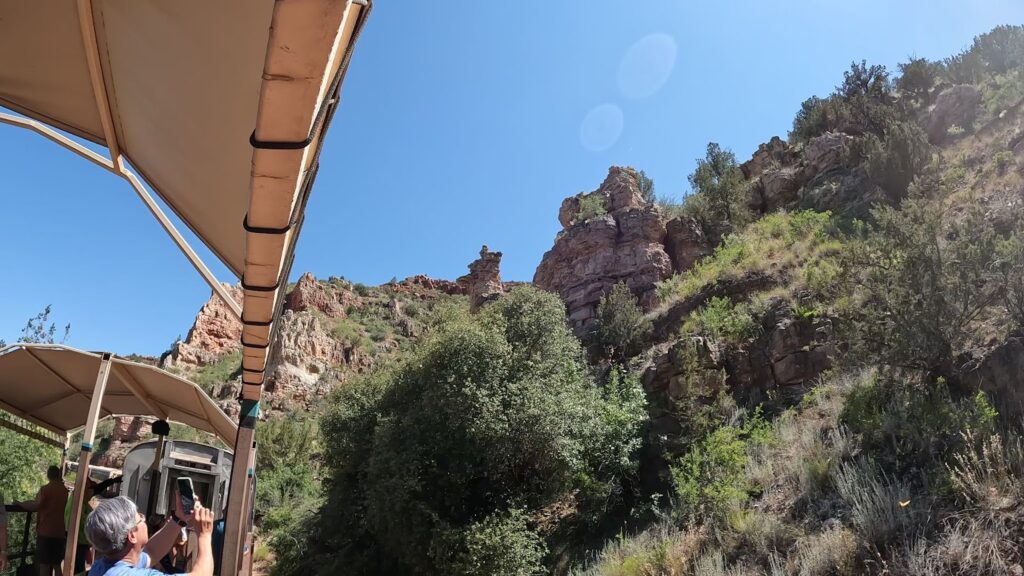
x=685 y=243
x=214 y=333
x=128 y=430
x=483 y=283
x=955 y=106
x=1001 y=374
x=305 y=354
x=309 y=294
x=816 y=175
x=790 y=352
x=625 y=244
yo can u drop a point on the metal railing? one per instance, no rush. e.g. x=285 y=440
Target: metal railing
x=26 y=551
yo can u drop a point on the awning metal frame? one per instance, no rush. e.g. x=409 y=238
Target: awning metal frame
x=119 y=169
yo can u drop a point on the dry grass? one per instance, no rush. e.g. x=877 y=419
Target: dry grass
x=830 y=552
x=663 y=550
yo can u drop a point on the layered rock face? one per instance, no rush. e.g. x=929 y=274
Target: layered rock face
x=214 y=333
x=128 y=430
x=309 y=294
x=814 y=175
x=304 y=352
x=625 y=244
x=483 y=283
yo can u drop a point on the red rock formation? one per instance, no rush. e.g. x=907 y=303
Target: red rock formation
x=483 y=283
x=624 y=245
x=309 y=294
x=214 y=333
x=421 y=284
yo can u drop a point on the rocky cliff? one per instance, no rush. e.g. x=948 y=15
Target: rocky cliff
x=613 y=235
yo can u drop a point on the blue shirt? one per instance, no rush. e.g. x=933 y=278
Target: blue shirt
x=103 y=567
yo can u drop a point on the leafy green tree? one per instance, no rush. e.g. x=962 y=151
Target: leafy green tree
x=917 y=77
x=720 y=193
x=1001 y=49
x=862 y=80
x=494 y=413
x=622 y=327
x=810 y=121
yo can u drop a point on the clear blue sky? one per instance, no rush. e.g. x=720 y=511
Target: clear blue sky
x=465 y=123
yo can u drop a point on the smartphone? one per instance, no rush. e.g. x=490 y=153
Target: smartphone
x=187 y=494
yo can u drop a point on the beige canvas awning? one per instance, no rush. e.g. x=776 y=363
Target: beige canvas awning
x=51 y=386
x=220 y=107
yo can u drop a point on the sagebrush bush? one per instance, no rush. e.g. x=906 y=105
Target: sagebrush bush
x=880 y=505
x=832 y=552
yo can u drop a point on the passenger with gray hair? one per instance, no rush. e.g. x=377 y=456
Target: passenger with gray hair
x=118 y=532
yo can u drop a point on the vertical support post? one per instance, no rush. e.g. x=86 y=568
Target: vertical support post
x=88 y=436
x=250 y=498
x=236 y=518
x=64 y=453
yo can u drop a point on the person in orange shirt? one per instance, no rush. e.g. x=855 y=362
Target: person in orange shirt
x=50 y=534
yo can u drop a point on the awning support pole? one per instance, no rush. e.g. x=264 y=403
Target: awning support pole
x=242 y=472
x=154 y=208
x=88 y=436
x=187 y=250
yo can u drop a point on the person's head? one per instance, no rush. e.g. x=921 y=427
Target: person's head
x=52 y=473
x=116 y=526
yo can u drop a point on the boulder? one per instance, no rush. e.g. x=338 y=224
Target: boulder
x=780 y=187
x=955 y=106
x=1001 y=374
x=825 y=153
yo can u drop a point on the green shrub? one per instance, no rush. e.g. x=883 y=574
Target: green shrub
x=710 y=478
x=591 y=206
x=894 y=159
x=622 y=329
x=1010 y=266
x=724 y=321
x=493 y=412
x=286 y=467
x=1002 y=160
x=226 y=369
x=500 y=544
x=905 y=426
